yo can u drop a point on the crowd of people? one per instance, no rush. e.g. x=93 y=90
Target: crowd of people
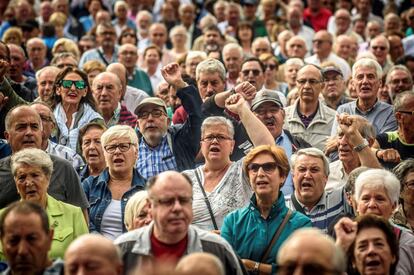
x=207 y=137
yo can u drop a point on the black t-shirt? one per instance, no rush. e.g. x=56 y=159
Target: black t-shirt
x=391 y=140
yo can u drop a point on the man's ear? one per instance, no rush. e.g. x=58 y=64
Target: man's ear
x=7 y=135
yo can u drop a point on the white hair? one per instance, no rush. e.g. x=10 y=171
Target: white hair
x=369 y=63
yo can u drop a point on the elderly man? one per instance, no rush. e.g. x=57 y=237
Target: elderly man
x=396 y=46
x=295 y=24
x=380 y=47
x=106 y=52
x=36 y=51
x=308 y=117
x=45 y=82
x=232 y=57
x=26 y=238
x=24 y=130
x=333 y=91
x=170 y=235
x=296 y=47
x=210 y=78
x=399 y=80
x=93 y=254
x=187 y=14
x=137 y=78
x=322 y=48
x=261 y=45
x=163 y=148
x=107 y=91
x=366 y=80
x=310 y=171
x=309 y=248
x=343 y=25
x=402 y=140
x=343 y=47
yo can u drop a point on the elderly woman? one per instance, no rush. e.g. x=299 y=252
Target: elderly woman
x=137 y=212
x=377 y=192
x=32 y=169
x=74 y=105
x=375 y=247
x=257 y=231
x=109 y=192
x=404 y=215
x=220 y=186
x=91 y=150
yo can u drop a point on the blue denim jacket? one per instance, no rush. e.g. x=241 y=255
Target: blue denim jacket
x=99 y=197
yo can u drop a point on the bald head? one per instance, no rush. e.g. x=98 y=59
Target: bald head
x=95 y=252
x=201 y=264
x=120 y=71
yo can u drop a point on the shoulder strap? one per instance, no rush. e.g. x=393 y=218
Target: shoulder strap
x=210 y=211
x=276 y=236
x=102 y=57
x=296 y=204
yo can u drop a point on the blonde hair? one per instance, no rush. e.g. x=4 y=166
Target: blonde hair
x=68 y=46
x=133 y=207
x=13 y=31
x=58 y=18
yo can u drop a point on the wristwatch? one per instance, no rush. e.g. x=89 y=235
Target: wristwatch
x=361 y=146
x=256 y=270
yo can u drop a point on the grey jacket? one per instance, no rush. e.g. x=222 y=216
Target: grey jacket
x=136 y=248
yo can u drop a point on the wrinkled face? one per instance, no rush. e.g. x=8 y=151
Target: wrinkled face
x=153 y=128
x=191 y=66
x=25 y=244
x=309 y=179
x=265 y=182
x=209 y=84
x=375 y=200
x=296 y=48
x=407 y=193
x=220 y=146
x=252 y=72
x=120 y=161
x=366 y=82
x=106 y=37
x=405 y=120
x=17 y=61
x=142 y=218
x=92 y=150
x=72 y=95
x=345 y=151
x=107 y=93
x=322 y=45
x=232 y=60
x=128 y=56
x=272 y=116
x=31 y=183
x=36 y=52
x=372 y=253
x=158 y=36
x=47 y=121
x=334 y=86
x=260 y=48
x=379 y=48
x=171 y=206
x=25 y=130
x=399 y=82
x=291 y=72
x=309 y=84
x=212 y=37
x=152 y=57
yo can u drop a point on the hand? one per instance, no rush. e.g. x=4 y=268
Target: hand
x=345 y=230
x=235 y=103
x=350 y=125
x=331 y=145
x=247 y=90
x=4 y=68
x=3 y=100
x=172 y=75
x=389 y=155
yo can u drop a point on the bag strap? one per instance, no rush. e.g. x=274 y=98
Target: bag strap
x=276 y=236
x=210 y=211
x=102 y=57
x=296 y=204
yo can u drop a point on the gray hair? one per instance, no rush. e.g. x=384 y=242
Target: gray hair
x=196 y=54
x=398 y=68
x=46 y=69
x=233 y=46
x=377 y=178
x=119 y=131
x=296 y=37
x=313 y=152
x=144 y=13
x=402 y=170
x=32 y=157
x=294 y=61
x=211 y=65
x=369 y=63
x=400 y=99
x=218 y=120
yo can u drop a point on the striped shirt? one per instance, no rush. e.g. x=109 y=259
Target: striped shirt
x=152 y=161
x=331 y=204
x=66 y=153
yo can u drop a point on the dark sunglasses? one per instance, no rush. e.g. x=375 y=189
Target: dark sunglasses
x=79 y=84
x=268 y=167
x=255 y=72
x=270 y=67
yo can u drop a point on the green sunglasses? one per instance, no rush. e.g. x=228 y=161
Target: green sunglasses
x=79 y=84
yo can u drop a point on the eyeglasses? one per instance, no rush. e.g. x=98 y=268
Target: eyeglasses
x=123 y=147
x=169 y=202
x=407 y=112
x=155 y=113
x=382 y=48
x=319 y=41
x=307 y=269
x=46 y=118
x=65 y=65
x=268 y=167
x=79 y=84
x=255 y=72
x=311 y=81
x=270 y=67
x=218 y=138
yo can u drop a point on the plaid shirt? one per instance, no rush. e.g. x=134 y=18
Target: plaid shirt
x=152 y=161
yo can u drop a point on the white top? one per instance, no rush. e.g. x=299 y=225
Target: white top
x=111 y=226
x=232 y=192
